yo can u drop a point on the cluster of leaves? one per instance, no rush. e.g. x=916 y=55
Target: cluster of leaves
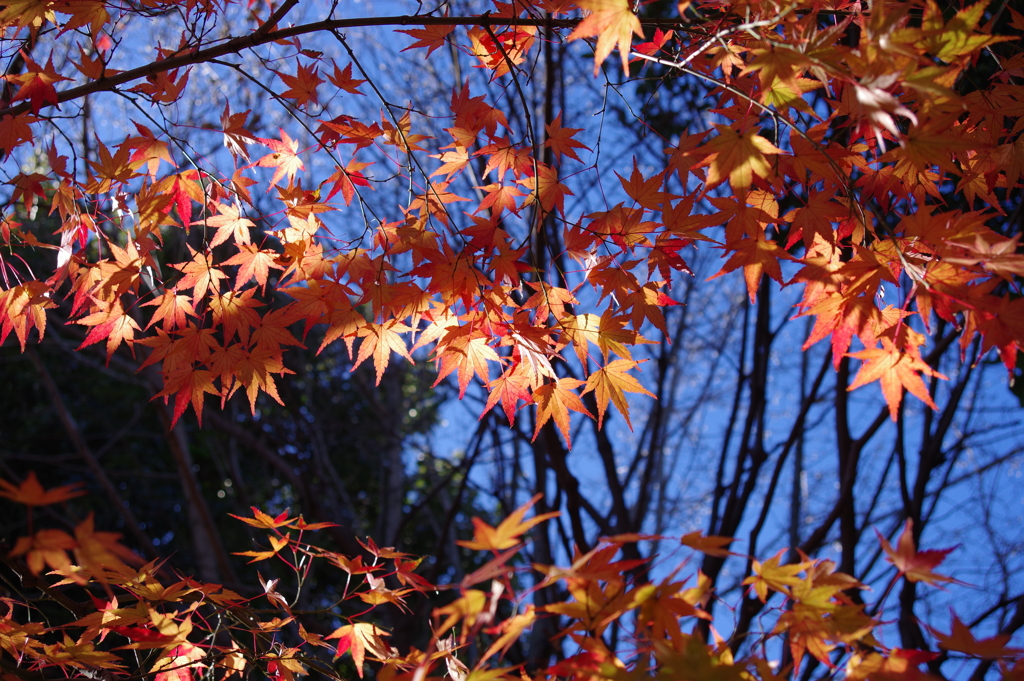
x=147 y=620
x=864 y=171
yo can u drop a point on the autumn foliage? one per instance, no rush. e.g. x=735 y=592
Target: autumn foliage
x=126 y=619
x=847 y=191
x=867 y=154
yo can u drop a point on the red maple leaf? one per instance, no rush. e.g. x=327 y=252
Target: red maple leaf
x=36 y=84
x=915 y=565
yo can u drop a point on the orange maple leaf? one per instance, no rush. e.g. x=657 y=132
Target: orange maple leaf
x=895 y=370
x=560 y=140
x=284 y=157
x=188 y=383
x=914 y=565
x=647 y=193
x=614 y=24
x=710 y=545
x=276 y=544
x=47 y=547
x=358 y=639
x=508 y=532
x=236 y=136
x=345 y=180
x=253 y=263
x=511 y=387
x=200 y=275
x=738 y=157
x=961 y=640
x=265 y=522
x=470 y=356
x=114 y=324
x=756 y=256
x=229 y=223
x=611 y=383
x=31 y=493
x=173 y=310
x=554 y=400
x=379 y=340
x=547 y=189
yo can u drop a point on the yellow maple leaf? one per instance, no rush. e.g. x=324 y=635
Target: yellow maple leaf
x=612 y=22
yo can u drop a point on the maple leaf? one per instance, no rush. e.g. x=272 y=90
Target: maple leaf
x=302 y=86
x=554 y=400
x=433 y=201
x=343 y=80
x=508 y=532
x=15 y=131
x=874 y=105
x=36 y=84
x=47 y=547
x=178 y=663
x=189 y=384
x=613 y=23
x=173 y=310
x=284 y=157
x=560 y=140
x=346 y=179
x=509 y=388
x=771 y=575
x=113 y=324
x=895 y=370
x=611 y=382
x=738 y=157
x=430 y=37
x=98 y=552
x=236 y=136
x=235 y=314
x=756 y=256
x=914 y=565
x=276 y=544
x=271 y=331
x=453 y=163
x=505 y=156
x=709 y=545
x=647 y=193
x=608 y=332
x=401 y=136
x=149 y=151
x=253 y=263
x=31 y=493
x=961 y=640
x=652 y=48
x=110 y=168
x=547 y=189
x=163 y=87
x=469 y=355
x=229 y=224
x=200 y=274
x=358 y=639
x=255 y=370
x=265 y=522
x=815 y=218
x=499 y=198
x=380 y=340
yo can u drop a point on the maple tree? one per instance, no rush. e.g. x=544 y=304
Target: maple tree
x=178 y=628
x=425 y=278
x=869 y=159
